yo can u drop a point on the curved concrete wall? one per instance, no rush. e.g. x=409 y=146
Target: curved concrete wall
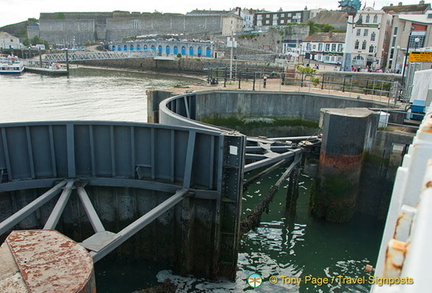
x=201 y=105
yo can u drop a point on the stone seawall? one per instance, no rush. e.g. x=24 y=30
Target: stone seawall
x=183 y=64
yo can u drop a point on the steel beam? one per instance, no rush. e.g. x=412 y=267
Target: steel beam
x=28 y=184
x=57 y=211
x=187 y=179
x=89 y=209
x=265 y=162
x=30 y=208
x=140 y=223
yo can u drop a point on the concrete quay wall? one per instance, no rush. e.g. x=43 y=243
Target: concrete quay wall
x=243 y=104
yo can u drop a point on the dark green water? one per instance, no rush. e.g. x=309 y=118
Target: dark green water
x=283 y=245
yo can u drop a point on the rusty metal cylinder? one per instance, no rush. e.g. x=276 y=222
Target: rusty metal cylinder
x=347 y=134
x=45 y=261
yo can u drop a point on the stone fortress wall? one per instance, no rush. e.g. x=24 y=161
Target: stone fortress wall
x=78 y=28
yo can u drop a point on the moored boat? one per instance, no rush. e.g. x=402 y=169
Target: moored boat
x=10 y=64
x=54 y=69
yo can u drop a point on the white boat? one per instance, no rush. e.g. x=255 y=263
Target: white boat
x=10 y=64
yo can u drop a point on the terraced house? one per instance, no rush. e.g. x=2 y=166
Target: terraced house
x=324 y=47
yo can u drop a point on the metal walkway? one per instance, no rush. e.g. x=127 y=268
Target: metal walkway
x=87 y=56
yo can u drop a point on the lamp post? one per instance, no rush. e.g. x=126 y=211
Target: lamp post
x=395 y=67
x=406 y=57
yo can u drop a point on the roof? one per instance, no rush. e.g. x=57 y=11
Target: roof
x=208 y=12
x=417 y=18
x=329 y=37
x=5 y=35
x=331 y=17
x=420 y=8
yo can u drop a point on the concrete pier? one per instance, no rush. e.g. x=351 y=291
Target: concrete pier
x=45 y=261
x=347 y=133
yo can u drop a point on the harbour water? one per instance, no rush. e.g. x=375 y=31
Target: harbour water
x=298 y=247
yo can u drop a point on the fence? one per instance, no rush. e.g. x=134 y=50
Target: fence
x=348 y=84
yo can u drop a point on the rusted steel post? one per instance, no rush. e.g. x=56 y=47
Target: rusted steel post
x=292 y=192
x=347 y=133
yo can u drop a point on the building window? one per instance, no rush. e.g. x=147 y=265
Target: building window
x=375 y=20
x=356 y=45
x=367 y=18
x=320 y=47
x=371 y=49
x=373 y=36
x=282 y=15
x=394 y=41
x=395 y=31
x=282 y=21
x=267 y=21
x=339 y=47
x=358 y=32
x=364 y=45
x=327 y=47
x=365 y=33
x=333 y=47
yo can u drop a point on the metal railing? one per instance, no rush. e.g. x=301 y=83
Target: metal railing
x=351 y=85
x=83 y=56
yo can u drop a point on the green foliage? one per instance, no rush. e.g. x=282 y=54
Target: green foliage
x=35 y=40
x=179 y=55
x=318 y=27
x=315 y=80
x=248 y=36
x=60 y=15
x=305 y=69
x=91 y=43
x=32 y=20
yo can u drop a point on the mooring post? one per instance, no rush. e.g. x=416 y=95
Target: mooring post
x=347 y=133
x=292 y=192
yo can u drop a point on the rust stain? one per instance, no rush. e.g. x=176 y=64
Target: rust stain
x=50 y=262
x=426 y=126
x=342 y=162
x=428 y=184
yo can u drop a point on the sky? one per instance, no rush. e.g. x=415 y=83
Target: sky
x=14 y=11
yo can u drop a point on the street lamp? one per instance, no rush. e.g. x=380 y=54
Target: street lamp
x=406 y=56
x=396 y=65
x=416 y=41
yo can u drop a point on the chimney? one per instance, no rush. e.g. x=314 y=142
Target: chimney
x=330 y=34
x=421 y=2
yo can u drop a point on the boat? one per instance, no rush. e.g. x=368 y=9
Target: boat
x=10 y=64
x=54 y=69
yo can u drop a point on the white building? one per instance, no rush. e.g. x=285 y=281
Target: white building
x=412 y=30
x=248 y=19
x=324 y=47
x=370 y=38
x=7 y=41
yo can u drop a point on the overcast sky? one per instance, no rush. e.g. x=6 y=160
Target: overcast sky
x=13 y=11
